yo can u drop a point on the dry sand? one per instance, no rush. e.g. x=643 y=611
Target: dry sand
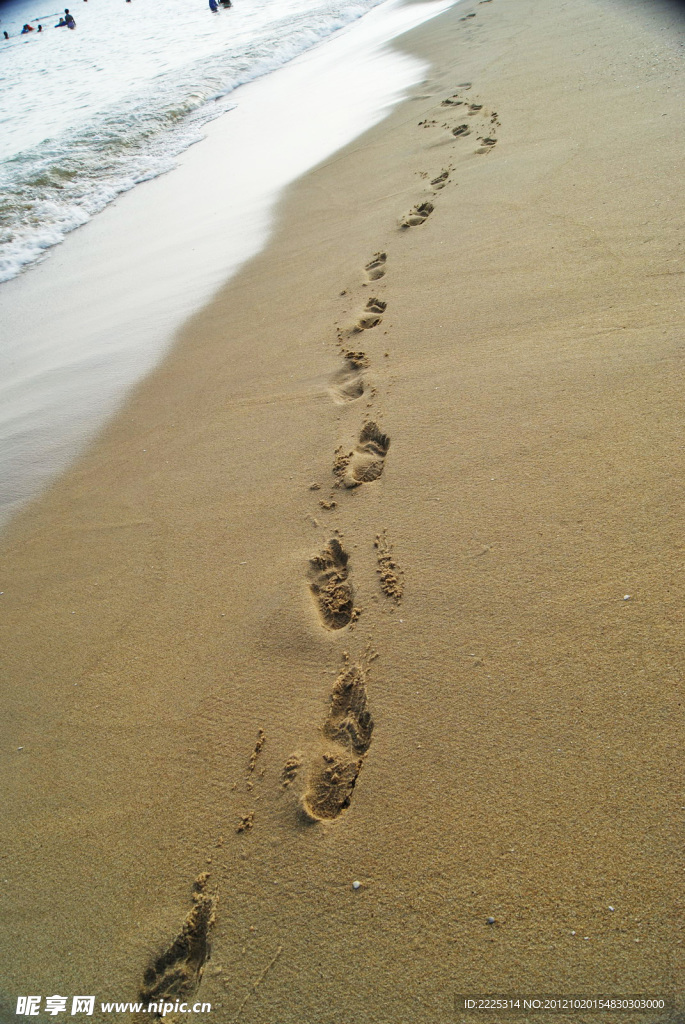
x=511 y=719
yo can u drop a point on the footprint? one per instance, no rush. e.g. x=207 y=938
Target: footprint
x=441 y=180
x=371 y=317
x=357 y=359
x=461 y=129
x=348 y=722
x=376 y=267
x=347 y=730
x=258 y=747
x=246 y=823
x=417 y=216
x=474 y=108
x=486 y=145
x=290 y=770
x=347 y=384
x=331 y=785
x=391 y=576
x=330 y=586
x=365 y=463
x=452 y=101
x=177 y=972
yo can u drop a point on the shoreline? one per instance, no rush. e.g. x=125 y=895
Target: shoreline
x=98 y=324
x=167 y=598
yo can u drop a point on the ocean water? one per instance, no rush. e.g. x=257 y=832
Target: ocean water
x=89 y=113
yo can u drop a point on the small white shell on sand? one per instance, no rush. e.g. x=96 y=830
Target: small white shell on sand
x=356 y=885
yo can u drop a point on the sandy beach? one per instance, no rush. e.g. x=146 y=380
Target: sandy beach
x=378 y=578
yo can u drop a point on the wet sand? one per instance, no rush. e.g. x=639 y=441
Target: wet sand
x=378 y=578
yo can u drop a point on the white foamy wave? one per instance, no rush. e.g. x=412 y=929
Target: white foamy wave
x=181 y=76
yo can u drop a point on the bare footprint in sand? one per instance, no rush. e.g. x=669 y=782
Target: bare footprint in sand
x=376 y=267
x=486 y=145
x=357 y=360
x=365 y=463
x=461 y=129
x=176 y=973
x=290 y=770
x=347 y=384
x=391 y=576
x=329 y=584
x=418 y=215
x=346 y=735
x=441 y=180
x=370 y=317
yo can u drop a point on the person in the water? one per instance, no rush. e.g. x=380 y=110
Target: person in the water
x=26 y=28
x=6 y=35
x=69 y=19
x=213 y=6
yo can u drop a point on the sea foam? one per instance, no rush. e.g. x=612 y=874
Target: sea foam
x=89 y=114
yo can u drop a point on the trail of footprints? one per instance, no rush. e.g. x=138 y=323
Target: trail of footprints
x=348 y=727
x=486 y=123
x=345 y=738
